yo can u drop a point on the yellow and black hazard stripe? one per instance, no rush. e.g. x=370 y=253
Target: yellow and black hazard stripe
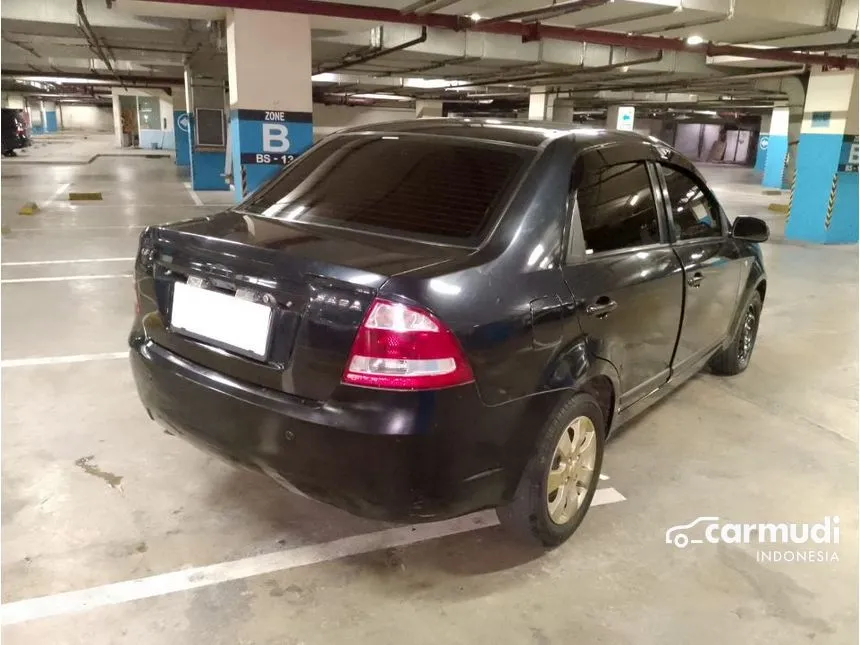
x=831 y=201
x=244 y=176
x=791 y=194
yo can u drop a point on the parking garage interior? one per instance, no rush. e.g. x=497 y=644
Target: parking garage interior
x=136 y=113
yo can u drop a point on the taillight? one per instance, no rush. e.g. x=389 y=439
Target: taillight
x=405 y=348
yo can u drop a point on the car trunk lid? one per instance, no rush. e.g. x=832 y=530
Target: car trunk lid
x=318 y=283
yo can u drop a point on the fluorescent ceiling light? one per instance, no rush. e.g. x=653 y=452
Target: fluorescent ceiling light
x=324 y=77
x=64 y=79
x=431 y=83
x=475 y=17
x=381 y=97
x=695 y=39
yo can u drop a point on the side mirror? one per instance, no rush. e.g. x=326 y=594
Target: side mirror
x=751 y=229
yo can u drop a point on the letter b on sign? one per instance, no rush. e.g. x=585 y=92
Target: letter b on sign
x=275 y=138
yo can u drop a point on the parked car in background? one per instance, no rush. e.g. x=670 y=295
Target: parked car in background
x=421 y=319
x=14 y=132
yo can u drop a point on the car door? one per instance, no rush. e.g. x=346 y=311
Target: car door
x=625 y=279
x=712 y=264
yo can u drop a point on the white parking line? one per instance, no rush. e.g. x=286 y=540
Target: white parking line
x=56 y=194
x=194 y=196
x=56 y=229
x=58 y=360
x=158 y=585
x=66 y=278
x=84 y=261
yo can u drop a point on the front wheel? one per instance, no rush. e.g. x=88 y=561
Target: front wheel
x=735 y=358
x=559 y=481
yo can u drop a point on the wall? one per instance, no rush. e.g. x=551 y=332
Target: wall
x=648 y=127
x=331 y=118
x=163 y=137
x=94 y=118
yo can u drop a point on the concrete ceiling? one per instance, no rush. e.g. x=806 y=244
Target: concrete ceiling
x=150 y=42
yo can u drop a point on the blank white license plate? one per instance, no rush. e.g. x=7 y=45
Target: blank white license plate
x=208 y=315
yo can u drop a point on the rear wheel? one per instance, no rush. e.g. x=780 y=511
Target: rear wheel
x=735 y=358
x=559 y=481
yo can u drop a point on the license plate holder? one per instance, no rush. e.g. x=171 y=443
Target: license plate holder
x=236 y=324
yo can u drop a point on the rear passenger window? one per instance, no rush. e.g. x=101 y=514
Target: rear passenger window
x=694 y=215
x=422 y=186
x=616 y=208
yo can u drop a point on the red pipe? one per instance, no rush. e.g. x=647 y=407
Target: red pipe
x=531 y=31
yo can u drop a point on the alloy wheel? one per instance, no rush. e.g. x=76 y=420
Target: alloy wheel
x=748 y=332
x=571 y=470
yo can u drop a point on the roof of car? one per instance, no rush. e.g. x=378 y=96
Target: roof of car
x=526 y=133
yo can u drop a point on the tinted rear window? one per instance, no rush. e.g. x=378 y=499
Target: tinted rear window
x=416 y=185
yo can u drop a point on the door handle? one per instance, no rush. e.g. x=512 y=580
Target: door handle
x=601 y=307
x=695 y=279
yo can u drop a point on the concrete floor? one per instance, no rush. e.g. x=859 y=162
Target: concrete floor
x=94 y=493
x=75 y=148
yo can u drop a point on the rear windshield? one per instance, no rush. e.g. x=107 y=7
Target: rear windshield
x=417 y=186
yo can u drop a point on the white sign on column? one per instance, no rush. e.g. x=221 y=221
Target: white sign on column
x=625 y=117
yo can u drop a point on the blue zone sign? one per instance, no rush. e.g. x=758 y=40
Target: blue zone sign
x=273 y=137
x=848 y=159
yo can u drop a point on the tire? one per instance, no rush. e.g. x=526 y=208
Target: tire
x=528 y=515
x=734 y=359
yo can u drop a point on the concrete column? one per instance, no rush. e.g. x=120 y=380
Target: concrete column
x=49 y=111
x=824 y=202
x=271 y=99
x=428 y=109
x=763 y=142
x=620 y=117
x=15 y=101
x=180 y=126
x=562 y=110
x=34 y=110
x=117 y=119
x=537 y=103
x=777 y=148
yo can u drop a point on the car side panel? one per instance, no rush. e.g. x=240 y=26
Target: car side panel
x=710 y=303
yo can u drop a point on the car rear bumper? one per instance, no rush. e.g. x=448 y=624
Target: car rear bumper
x=389 y=455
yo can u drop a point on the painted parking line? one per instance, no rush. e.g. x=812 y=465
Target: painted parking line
x=63 y=188
x=46 y=262
x=72 y=602
x=194 y=196
x=59 y=360
x=67 y=278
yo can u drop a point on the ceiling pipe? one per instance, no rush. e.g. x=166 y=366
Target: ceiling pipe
x=93 y=40
x=140 y=81
x=379 y=53
x=569 y=75
x=654 y=13
x=425 y=6
x=523 y=30
x=458 y=60
x=547 y=12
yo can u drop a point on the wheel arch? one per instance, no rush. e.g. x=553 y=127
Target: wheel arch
x=586 y=374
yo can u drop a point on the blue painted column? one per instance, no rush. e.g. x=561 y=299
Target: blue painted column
x=49 y=110
x=824 y=206
x=269 y=67
x=777 y=148
x=263 y=142
x=761 y=151
x=182 y=131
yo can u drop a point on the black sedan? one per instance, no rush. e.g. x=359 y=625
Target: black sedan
x=428 y=318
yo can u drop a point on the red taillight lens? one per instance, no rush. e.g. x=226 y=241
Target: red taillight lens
x=405 y=348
